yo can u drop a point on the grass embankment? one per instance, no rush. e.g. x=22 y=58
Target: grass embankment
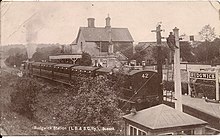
x=12 y=122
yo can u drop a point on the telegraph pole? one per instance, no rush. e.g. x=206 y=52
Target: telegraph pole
x=177 y=77
x=159 y=60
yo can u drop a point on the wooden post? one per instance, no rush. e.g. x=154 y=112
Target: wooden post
x=177 y=77
x=159 y=61
x=217 y=84
x=189 y=88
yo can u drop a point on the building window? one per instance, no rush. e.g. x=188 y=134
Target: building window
x=81 y=44
x=136 y=131
x=131 y=131
x=166 y=134
x=104 y=47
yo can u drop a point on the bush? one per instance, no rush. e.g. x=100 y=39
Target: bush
x=23 y=98
x=15 y=60
x=169 y=86
x=202 y=88
x=85 y=60
x=205 y=88
x=93 y=104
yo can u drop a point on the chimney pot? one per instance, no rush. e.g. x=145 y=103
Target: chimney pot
x=91 y=22
x=108 y=22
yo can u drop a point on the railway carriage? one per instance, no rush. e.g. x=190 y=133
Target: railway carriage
x=62 y=71
x=104 y=71
x=47 y=69
x=35 y=68
x=87 y=71
x=140 y=87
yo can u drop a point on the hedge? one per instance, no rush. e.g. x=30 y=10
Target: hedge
x=169 y=86
x=202 y=88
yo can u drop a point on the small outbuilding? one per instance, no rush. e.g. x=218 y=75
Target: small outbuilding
x=162 y=120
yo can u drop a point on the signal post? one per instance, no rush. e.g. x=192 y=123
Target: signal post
x=177 y=75
x=173 y=43
x=159 y=60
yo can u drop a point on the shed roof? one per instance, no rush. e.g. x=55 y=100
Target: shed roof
x=163 y=116
x=96 y=34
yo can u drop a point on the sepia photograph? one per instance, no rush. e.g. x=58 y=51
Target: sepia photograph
x=110 y=68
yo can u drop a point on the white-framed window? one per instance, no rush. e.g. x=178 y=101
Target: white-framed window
x=166 y=134
x=134 y=131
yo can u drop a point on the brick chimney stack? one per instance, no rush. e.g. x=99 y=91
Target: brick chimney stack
x=108 y=22
x=91 y=22
x=109 y=30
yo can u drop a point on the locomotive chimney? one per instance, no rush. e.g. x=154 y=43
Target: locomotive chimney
x=91 y=22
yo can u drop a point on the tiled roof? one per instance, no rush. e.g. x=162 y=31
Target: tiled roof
x=145 y=45
x=163 y=116
x=94 y=34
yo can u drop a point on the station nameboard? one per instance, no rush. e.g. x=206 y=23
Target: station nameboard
x=203 y=75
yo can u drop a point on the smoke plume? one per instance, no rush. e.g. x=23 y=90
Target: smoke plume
x=32 y=27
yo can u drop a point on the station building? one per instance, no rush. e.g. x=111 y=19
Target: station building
x=162 y=120
x=107 y=46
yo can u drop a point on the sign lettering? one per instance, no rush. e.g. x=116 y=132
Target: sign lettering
x=202 y=75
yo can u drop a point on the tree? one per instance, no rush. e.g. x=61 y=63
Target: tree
x=216 y=51
x=208 y=52
x=85 y=60
x=39 y=56
x=44 y=53
x=15 y=59
x=138 y=57
x=97 y=105
x=208 y=33
x=94 y=104
x=164 y=53
x=186 y=51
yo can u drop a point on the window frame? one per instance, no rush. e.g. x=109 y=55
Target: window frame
x=142 y=132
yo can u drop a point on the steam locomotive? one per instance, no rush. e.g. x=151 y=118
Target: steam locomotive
x=140 y=88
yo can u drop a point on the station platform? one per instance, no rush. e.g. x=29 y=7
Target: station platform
x=199 y=108
x=200 y=104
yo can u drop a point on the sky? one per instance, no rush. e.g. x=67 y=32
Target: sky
x=59 y=22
